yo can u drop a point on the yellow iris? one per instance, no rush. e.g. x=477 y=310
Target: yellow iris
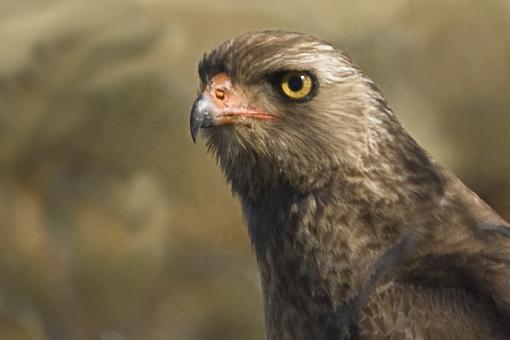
x=296 y=85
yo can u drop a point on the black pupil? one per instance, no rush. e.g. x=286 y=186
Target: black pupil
x=296 y=83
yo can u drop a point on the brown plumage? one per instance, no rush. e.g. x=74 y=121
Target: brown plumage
x=358 y=233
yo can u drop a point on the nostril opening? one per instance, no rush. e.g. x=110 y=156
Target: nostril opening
x=220 y=94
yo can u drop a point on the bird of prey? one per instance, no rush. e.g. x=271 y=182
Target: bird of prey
x=357 y=231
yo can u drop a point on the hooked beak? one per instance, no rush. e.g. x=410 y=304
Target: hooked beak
x=220 y=104
x=202 y=115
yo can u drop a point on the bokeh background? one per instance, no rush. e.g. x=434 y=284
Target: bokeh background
x=114 y=226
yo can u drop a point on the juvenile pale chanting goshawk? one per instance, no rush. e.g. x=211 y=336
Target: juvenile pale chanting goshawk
x=358 y=232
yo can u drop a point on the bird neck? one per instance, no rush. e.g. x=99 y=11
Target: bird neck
x=315 y=252
x=318 y=250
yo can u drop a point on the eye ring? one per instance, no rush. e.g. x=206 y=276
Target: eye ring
x=295 y=85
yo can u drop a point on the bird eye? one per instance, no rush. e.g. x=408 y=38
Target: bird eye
x=296 y=85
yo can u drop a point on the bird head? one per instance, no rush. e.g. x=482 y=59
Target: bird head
x=280 y=106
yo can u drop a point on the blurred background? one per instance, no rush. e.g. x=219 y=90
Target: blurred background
x=114 y=226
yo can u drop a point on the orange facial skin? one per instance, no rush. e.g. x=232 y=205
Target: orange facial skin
x=231 y=103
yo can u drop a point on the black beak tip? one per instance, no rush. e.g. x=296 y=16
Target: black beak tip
x=194 y=127
x=193 y=137
x=195 y=122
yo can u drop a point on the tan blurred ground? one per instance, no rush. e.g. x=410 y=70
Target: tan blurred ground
x=113 y=225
